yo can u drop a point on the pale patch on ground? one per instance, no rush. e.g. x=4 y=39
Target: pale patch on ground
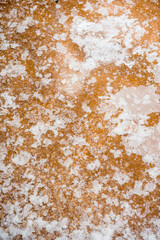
x=13 y=70
x=136 y=105
x=22 y=158
x=80 y=129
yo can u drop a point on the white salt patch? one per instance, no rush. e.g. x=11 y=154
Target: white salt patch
x=24 y=55
x=57 y=226
x=13 y=13
x=75 y=171
x=33 y=8
x=41 y=128
x=139 y=32
x=66 y=151
x=109 y=89
x=61 y=97
x=46 y=81
x=78 y=234
x=2 y=37
x=100 y=41
x=26 y=210
x=3 y=151
x=16 y=122
x=43 y=161
x=22 y=158
x=77 y=193
x=99 y=125
x=45 y=65
x=92 y=80
x=154 y=172
x=38 y=200
x=13 y=70
x=80 y=141
x=152 y=56
x=150 y=187
x=47 y=142
x=86 y=108
x=136 y=103
x=149 y=158
x=14 y=45
x=111 y=201
x=103 y=11
x=116 y=153
x=50 y=227
x=146 y=99
x=19 y=141
x=120 y=178
x=91 y=166
x=72 y=83
x=130 y=2
x=74 y=79
x=63 y=18
x=109 y=109
x=21 y=28
x=9 y=101
x=139 y=136
x=71 y=105
x=3 y=234
x=61 y=48
x=38 y=32
x=134 y=97
x=4 y=45
x=68 y=162
x=38 y=96
x=60 y=123
x=25 y=24
x=156 y=72
x=12 y=24
x=88 y=7
x=41 y=49
x=96 y=187
x=146 y=143
x=40 y=222
x=73 y=63
x=139 y=190
x=104 y=233
x=61 y=36
x=23 y=96
x=127 y=210
x=125 y=127
x=58 y=6
x=64 y=222
x=147 y=234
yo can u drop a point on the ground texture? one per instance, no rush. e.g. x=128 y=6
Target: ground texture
x=80 y=120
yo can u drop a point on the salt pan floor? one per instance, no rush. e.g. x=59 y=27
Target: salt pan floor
x=80 y=120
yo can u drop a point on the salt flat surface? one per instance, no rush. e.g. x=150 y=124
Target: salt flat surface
x=80 y=120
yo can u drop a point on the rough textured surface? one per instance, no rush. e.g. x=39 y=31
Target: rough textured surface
x=80 y=120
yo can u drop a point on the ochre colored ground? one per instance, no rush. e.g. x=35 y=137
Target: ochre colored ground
x=58 y=147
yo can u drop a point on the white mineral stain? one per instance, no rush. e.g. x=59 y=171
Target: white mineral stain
x=22 y=158
x=136 y=103
x=59 y=174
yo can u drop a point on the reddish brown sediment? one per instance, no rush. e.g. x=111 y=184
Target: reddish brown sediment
x=80 y=126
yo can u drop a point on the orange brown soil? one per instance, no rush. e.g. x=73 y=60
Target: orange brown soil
x=71 y=165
